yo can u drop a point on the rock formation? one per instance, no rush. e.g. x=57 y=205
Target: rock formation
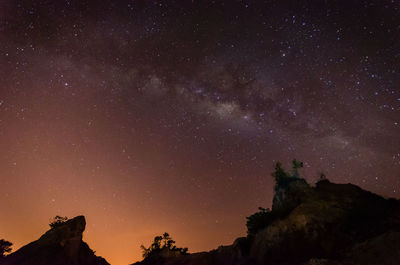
x=329 y=224
x=61 y=245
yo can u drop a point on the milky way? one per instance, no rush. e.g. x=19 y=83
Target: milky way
x=153 y=116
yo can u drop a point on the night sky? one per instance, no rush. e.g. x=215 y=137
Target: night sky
x=154 y=116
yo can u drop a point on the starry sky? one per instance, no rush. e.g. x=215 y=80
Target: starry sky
x=154 y=116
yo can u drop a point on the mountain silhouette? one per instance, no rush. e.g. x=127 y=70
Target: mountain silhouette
x=61 y=245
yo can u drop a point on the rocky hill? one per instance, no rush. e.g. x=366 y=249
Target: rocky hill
x=61 y=245
x=329 y=224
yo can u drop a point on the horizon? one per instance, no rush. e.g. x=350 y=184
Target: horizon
x=90 y=241
x=168 y=116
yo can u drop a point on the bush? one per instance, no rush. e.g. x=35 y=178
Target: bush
x=258 y=221
x=57 y=221
x=161 y=244
x=5 y=247
x=283 y=179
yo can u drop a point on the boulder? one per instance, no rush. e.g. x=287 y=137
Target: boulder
x=61 y=245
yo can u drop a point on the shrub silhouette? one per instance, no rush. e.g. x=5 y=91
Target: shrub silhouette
x=283 y=178
x=161 y=244
x=264 y=217
x=279 y=175
x=258 y=221
x=295 y=168
x=5 y=247
x=322 y=177
x=57 y=221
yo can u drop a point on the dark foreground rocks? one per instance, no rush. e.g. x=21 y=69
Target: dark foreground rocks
x=61 y=245
x=329 y=224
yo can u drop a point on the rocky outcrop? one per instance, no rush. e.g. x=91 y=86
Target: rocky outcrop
x=289 y=195
x=329 y=224
x=61 y=245
x=382 y=249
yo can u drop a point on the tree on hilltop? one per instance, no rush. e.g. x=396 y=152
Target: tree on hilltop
x=258 y=221
x=160 y=244
x=283 y=180
x=5 y=247
x=57 y=221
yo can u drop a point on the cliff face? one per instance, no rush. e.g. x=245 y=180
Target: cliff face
x=326 y=224
x=61 y=245
x=289 y=195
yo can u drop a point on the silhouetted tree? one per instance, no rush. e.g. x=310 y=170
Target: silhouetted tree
x=5 y=247
x=264 y=217
x=168 y=242
x=57 y=221
x=145 y=251
x=281 y=177
x=279 y=174
x=258 y=221
x=161 y=243
x=295 y=167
